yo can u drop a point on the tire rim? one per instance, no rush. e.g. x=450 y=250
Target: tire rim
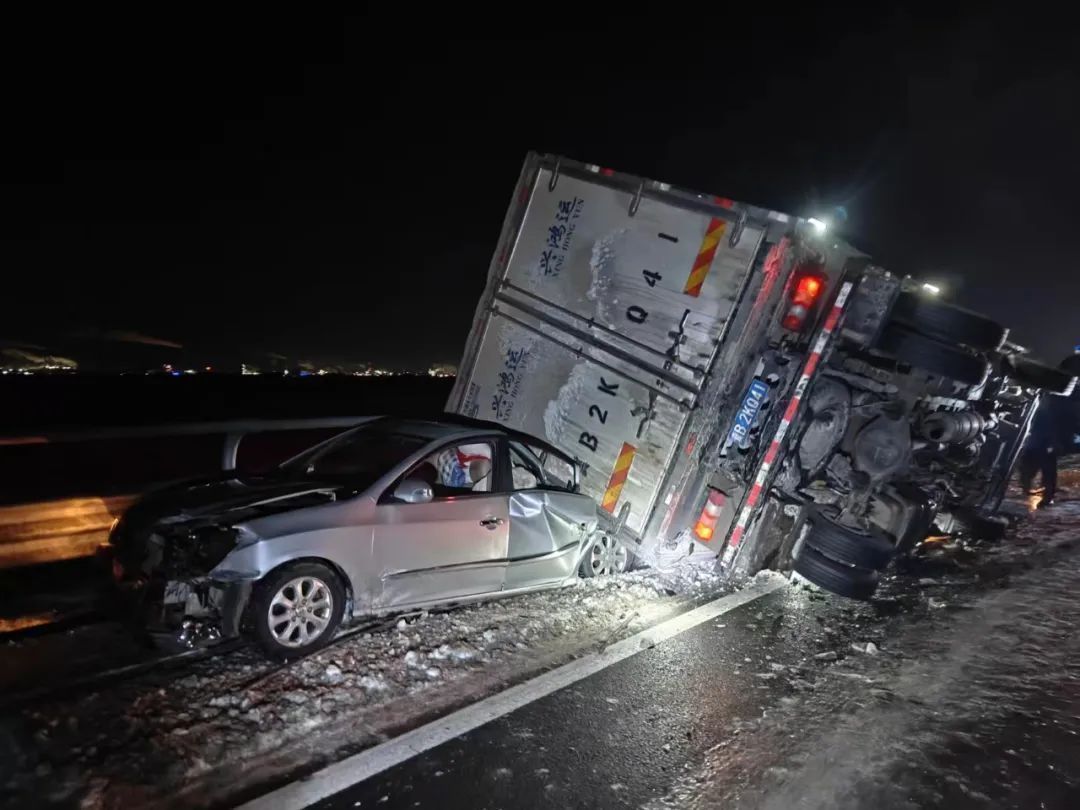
x=300 y=611
x=607 y=556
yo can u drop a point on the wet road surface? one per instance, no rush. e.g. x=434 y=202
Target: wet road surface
x=969 y=697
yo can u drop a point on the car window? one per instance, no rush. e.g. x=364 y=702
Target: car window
x=533 y=467
x=558 y=471
x=525 y=470
x=462 y=469
x=359 y=456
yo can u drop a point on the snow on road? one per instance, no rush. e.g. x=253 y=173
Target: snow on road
x=236 y=720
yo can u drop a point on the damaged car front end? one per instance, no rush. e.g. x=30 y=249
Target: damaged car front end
x=174 y=574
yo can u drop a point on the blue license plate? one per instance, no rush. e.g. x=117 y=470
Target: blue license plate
x=748 y=411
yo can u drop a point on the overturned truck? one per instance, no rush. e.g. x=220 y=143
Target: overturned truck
x=739 y=383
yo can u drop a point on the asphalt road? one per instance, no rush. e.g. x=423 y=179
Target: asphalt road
x=970 y=697
x=616 y=738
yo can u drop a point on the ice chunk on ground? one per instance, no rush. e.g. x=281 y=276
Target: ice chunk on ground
x=333 y=675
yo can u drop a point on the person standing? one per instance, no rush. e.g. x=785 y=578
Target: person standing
x=1053 y=432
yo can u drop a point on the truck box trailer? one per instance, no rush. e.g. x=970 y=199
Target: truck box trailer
x=739 y=382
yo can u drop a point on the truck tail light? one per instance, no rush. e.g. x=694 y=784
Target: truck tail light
x=806 y=290
x=706 y=523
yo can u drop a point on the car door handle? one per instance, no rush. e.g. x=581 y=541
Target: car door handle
x=491 y=523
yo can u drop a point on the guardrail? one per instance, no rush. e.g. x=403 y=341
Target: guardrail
x=70 y=528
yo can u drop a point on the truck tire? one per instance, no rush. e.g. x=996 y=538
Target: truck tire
x=862 y=548
x=843 y=580
x=948 y=323
x=986 y=527
x=1033 y=374
x=932 y=355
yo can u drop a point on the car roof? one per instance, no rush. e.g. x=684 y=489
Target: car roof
x=450 y=426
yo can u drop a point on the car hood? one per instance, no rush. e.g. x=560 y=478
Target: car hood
x=231 y=500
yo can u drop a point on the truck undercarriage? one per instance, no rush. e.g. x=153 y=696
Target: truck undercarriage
x=912 y=425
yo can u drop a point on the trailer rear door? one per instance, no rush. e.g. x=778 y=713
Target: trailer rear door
x=607 y=301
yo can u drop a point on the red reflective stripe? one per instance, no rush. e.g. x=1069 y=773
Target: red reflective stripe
x=770 y=456
x=785 y=422
x=834 y=316
x=793 y=406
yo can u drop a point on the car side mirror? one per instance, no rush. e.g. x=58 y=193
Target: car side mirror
x=414 y=490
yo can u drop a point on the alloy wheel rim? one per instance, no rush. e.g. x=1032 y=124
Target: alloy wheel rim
x=300 y=611
x=607 y=555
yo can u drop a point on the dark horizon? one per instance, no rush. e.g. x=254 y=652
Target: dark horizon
x=243 y=190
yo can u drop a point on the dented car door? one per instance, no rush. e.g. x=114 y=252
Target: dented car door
x=547 y=532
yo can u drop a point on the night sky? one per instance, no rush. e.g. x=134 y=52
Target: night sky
x=332 y=190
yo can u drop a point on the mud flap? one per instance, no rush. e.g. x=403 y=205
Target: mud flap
x=770 y=540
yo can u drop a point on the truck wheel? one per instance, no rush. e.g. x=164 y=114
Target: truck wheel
x=932 y=355
x=297 y=609
x=843 y=580
x=948 y=323
x=862 y=548
x=986 y=527
x=606 y=555
x=1033 y=374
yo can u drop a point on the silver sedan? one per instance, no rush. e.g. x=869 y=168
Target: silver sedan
x=392 y=515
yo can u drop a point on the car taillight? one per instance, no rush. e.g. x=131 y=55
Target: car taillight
x=807 y=288
x=706 y=524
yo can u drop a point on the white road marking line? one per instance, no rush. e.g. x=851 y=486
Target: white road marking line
x=373 y=761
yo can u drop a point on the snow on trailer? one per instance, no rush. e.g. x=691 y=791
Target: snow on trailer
x=606 y=305
x=609 y=305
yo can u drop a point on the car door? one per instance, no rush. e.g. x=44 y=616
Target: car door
x=452 y=546
x=549 y=523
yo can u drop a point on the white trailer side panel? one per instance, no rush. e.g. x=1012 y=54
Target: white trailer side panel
x=606 y=304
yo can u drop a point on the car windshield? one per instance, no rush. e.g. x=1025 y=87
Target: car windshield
x=358 y=457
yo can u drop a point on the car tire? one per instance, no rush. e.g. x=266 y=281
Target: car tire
x=862 y=548
x=317 y=599
x=1032 y=374
x=948 y=323
x=932 y=355
x=605 y=554
x=843 y=580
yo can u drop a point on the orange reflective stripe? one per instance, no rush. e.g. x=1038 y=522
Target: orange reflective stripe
x=619 y=475
x=704 y=260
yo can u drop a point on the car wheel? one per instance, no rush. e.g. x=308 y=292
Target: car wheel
x=948 y=323
x=843 y=580
x=297 y=609
x=851 y=545
x=1033 y=374
x=606 y=555
x=932 y=355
